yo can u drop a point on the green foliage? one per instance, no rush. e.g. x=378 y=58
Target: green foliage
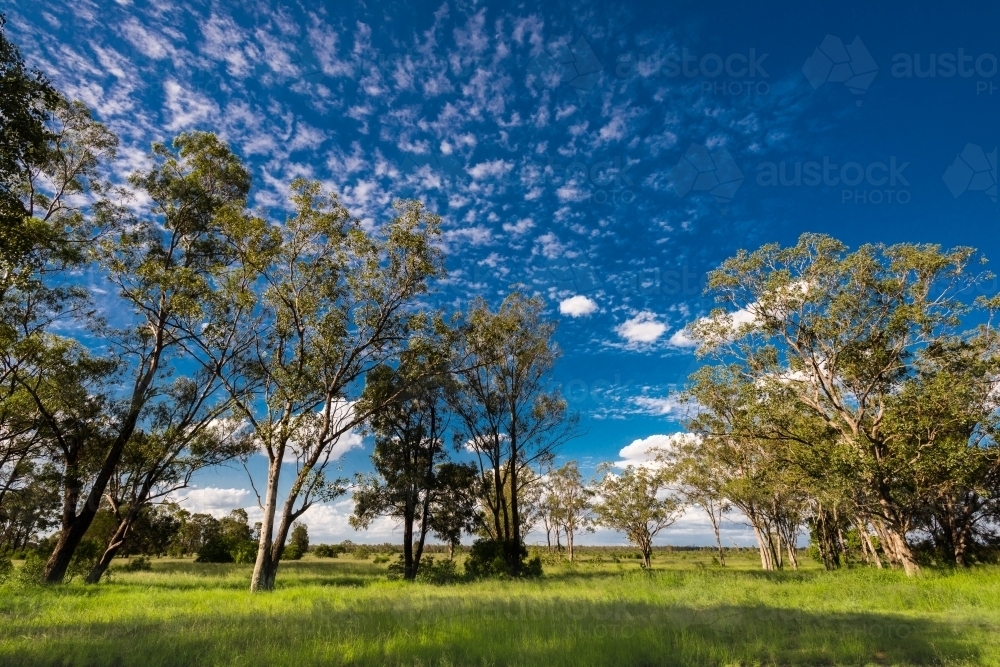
x=215 y=550
x=328 y=550
x=292 y=552
x=31 y=571
x=227 y=540
x=243 y=552
x=487 y=559
x=6 y=569
x=299 y=539
x=438 y=572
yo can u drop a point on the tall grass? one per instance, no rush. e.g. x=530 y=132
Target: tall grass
x=345 y=612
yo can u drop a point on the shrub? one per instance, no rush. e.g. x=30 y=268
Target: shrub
x=381 y=558
x=292 y=552
x=443 y=572
x=215 y=550
x=6 y=569
x=486 y=559
x=32 y=571
x=327 y=550
x=299 y=537
x=244 y=552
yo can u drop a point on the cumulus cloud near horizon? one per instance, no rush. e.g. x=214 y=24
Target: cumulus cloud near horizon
x=642 y=452
x=577 y=306
x=211 y=500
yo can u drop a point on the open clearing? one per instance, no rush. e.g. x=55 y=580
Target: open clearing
x=345 y=612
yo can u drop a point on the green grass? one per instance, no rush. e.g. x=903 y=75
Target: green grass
x=345 y=612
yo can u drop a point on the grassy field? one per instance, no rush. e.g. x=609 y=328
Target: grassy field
x=345 y=612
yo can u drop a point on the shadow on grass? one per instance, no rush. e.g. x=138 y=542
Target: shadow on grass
x=459 y=629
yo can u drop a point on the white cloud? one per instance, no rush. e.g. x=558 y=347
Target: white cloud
x=490 y=169
x=642 y=452
x=657 y=406
x=186 y=107
x=520 y=227
x=682 y=339
x=148 y=43
x=643 y=328
x=211 y=500
x=577 y=306
x=550 y=246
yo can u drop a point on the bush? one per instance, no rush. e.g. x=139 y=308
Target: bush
x=381 y=558
x=292 y=552
x=32 y=571
x=215 y=550
x=299 y=537
x=486 y=559
x=327 y=550
x=6 y=569
x=443 y=572
x=431 y=572
x=244 y=552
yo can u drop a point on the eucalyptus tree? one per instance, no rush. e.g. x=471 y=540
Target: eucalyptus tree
x=181 y=435
x=699 y=481
x=506 y=412
x=49 y=181
x=571 y=502
x=945 y=420
x=26 y=98
x=840 y=330
x=163 y=261
x=333 y=302
x=636 y=502
x=453 y=506
x=409 y=448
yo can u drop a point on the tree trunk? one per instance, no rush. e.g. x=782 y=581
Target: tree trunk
x=409 y=572
x=867 y=539
x=114 y=544
x=265 y=569
x=718 y=537
x=793 y=557
x=569 y=543
x=896 y=534
x=764 y=547
x=905 y=554
x=69 y=539
x=514 y=541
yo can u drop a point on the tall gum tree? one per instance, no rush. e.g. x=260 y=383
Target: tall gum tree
x=506 y=411
x=840 y=331
x=162 y=262
x=332 y=302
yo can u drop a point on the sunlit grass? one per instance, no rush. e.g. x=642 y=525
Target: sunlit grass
x=345 y=612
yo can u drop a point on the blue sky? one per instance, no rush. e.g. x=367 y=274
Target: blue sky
x=605 y=155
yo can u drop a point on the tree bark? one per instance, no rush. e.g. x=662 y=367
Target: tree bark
x=265 y=569
x=718 y=537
